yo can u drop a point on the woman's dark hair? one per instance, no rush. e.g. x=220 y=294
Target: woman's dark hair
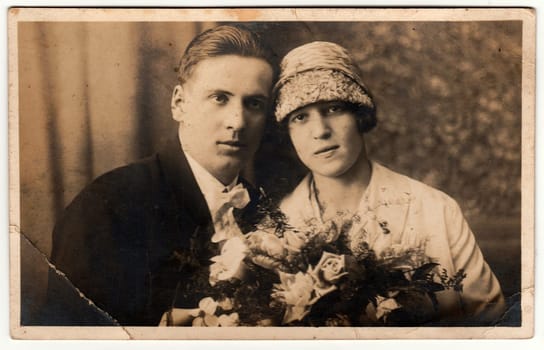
x=224 y=40
x=365 y=117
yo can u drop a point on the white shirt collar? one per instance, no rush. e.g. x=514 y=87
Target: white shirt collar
x=206 y=181
x=210 y=187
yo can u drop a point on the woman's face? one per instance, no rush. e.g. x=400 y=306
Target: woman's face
x=326 y=137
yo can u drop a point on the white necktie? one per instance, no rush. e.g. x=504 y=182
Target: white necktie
x=223 y=220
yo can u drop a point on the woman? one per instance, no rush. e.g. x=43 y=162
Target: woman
x=326 y=109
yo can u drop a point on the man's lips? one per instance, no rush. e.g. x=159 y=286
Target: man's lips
x=232 y=143
x=326 y=149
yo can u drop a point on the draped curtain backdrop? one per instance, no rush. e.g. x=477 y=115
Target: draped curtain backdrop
x=92 y=96
x=96 y=95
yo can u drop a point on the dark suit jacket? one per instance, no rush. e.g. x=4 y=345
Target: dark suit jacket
x=135 y=240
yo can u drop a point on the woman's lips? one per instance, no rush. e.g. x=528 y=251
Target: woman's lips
x=326 y=151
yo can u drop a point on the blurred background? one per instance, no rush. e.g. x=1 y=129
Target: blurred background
x=94 y=96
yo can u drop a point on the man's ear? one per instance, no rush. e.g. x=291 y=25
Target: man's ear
x=176 y=105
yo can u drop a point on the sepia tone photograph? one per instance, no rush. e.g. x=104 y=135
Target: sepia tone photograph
x=298 y=173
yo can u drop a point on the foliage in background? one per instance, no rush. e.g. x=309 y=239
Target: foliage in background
x=449 y=103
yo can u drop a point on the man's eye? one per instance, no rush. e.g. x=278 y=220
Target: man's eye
x=220 y=98
x=255 y=105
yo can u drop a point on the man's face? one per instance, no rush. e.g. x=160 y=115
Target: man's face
x=222 y=110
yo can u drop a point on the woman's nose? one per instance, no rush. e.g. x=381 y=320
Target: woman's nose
x=320 y=127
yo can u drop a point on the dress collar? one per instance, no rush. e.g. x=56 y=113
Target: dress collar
x=375 y=169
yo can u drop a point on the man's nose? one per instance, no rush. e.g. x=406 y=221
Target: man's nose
x=320 y=127
x=235 y=118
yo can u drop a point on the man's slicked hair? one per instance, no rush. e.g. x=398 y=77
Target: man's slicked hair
x=224 y=40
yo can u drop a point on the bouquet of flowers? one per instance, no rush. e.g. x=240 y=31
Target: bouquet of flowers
x=324 y=274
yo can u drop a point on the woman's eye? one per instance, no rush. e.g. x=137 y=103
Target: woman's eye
x=334 y=109
x=297 y=118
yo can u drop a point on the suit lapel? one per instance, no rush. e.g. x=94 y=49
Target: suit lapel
x=180 y=240
x=181 y=180
x=187 y=207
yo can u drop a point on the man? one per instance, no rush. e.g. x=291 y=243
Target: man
x=137 y=240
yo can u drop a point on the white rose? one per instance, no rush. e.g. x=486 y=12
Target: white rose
x=330 y=269
x=230 y=264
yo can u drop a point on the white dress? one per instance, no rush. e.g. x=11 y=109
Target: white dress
x=416 y=215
